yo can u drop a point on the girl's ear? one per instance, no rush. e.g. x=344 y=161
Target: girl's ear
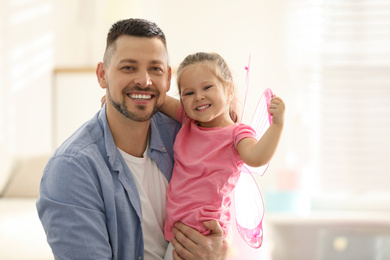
x=230 y=92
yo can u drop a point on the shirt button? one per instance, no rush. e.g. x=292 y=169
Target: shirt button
x=140 y=258
x=163 y=148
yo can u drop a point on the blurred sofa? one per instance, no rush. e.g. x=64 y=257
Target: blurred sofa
x=21 y=233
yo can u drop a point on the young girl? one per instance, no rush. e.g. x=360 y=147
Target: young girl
x=211 y=146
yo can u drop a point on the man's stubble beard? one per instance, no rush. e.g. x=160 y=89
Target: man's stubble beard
x=121 y=107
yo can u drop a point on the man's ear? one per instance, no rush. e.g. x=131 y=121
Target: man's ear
x=101 y=75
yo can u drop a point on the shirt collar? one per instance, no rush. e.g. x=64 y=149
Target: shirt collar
x=111 y=149
x=156 y=142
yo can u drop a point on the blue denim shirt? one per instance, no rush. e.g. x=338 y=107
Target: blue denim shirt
x=89 y=204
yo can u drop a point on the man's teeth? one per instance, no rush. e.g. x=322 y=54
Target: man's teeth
x=140 y=96
x=202 y=107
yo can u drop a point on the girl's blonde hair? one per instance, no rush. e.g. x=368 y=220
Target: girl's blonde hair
x=221 y=71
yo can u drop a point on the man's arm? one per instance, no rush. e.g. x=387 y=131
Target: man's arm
x=190 y=244
x=71 y=211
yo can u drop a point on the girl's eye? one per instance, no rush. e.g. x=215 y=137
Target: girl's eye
x=207 y=87
x=188 y=93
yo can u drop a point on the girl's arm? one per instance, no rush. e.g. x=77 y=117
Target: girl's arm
x=170 y=107
x=258 y=153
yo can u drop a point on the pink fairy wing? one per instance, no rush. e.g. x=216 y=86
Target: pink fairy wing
x=249 y=206
x=249 y=209
x=247 y=68
x=262 y=119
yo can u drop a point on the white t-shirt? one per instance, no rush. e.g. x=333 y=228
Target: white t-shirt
x=152 y=187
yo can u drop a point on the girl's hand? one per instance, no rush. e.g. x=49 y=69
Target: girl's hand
x=277 y=109
x=103 y=100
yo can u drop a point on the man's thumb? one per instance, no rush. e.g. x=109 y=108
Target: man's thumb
x=214 y=227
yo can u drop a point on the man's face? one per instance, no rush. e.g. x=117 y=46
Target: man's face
x=137 y=77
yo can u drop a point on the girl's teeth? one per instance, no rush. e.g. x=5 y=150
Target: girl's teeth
x=203 y=107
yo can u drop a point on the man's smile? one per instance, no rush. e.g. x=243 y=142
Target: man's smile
x=140 y=96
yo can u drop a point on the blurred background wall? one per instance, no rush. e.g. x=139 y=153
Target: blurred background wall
x=329 y=61
x=43 y=42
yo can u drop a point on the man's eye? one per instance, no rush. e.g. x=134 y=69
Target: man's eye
x=128 y=68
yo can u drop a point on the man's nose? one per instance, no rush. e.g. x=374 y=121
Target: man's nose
x=143 y=79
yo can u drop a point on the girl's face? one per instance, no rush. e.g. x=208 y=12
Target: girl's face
x=204 y=97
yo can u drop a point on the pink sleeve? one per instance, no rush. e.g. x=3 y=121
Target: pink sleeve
x=243 y=131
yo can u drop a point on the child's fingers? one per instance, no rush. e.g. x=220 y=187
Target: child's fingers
x=275 y=104
x=274 y=98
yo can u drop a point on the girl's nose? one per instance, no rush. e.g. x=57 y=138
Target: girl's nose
x=199 y=97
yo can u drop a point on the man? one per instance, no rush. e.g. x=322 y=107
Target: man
x=103 y=192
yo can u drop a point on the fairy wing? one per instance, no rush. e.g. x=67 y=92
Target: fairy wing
x=249 y=209
x=249 y=206
x=262 y=119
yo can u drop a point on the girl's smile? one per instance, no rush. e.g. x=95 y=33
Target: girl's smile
x=204 y=96
x=203 y=107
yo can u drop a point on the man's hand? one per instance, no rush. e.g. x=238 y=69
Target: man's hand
x=190 y=244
